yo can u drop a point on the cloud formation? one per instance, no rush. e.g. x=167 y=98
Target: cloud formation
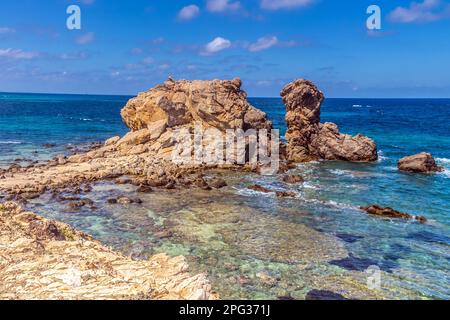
x=263 y=44
x=426 y=11
x=217 y=45
x=285 y=4
x=18 y=54
x=188 y=13
x=5 y=30
x=86 y=38
x=222 y=5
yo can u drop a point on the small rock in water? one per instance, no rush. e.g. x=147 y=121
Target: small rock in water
x=292 y=179
x=259 y=188
x=217 y=183
x=323 y=295
x=419 y=163
x=144 y=189
x=391 y=213
x=286 y=194
x=123 y=200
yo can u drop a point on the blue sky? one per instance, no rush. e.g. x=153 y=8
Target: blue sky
x=127 y=46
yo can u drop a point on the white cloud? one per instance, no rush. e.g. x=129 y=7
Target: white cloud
x=218 y=44
x=426 y=11
x=18 y=54
x=86 y=38
x=263 y=44
x=284 y=4
x=5 y=30
x=222 y=5
x=189 y=12
x=148 y=60
x=74 y=56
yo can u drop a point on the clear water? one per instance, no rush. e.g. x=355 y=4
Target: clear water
x=318 y=241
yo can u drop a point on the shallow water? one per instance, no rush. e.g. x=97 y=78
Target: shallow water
x=257 y=246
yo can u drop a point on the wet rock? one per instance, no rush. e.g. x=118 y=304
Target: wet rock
x=49 y=145
x=324 y=295
x=419 y=163
x=391 y=213
x=293 y=179
x=308 y=139
x=217 y=183
x=123 y=200
x=77 y=205
x=259 y=188
x=144 y=189
x=285 y=194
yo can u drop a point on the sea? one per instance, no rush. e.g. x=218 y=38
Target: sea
x=318 y=245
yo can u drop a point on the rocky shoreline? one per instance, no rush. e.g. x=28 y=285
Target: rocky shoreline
x=40 y=254
x=43 y=259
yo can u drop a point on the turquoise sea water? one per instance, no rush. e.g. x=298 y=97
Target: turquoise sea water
x=236 y=234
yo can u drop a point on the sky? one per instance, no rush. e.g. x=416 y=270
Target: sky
x=125 y=47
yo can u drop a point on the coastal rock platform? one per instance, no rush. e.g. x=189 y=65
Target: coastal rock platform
x=42 y=259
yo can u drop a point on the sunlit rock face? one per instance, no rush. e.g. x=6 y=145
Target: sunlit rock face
x=217 y=103
x=308 y=139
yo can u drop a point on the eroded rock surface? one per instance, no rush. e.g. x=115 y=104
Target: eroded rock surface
x=308 y=139
x=218 y=103
x=42 y=259
x=420 y=163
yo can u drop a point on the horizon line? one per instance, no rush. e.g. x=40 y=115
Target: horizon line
x=261 y=97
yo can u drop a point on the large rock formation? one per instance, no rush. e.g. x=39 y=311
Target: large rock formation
x=420 y=163
x=308 y=139
x=218 y=103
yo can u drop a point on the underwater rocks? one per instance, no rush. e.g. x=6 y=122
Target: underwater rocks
x=279 y=194
x=293 y=179
x=308 y=139
x=419 y=163
x=391 y=213
x=43 y=259
x=218 y=103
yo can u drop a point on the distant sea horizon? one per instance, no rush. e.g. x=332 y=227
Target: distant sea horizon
x=250 y=96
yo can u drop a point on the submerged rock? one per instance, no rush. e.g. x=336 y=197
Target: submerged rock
x=391 y=213
x=308 y=139
x=420 y=163
x=293 y=179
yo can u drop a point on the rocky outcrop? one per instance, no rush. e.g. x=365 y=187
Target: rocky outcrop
x=42 y=259
x=419 y=163
x=391 y=213
x=219 y=103
x=308 y=139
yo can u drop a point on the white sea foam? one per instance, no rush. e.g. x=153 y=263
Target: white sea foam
x=308 y=185
x=381 y=156
x=10 y=142
x=446 y=173
x=443 y=161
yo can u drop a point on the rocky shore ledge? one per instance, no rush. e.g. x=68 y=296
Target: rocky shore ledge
x=50 y=260
x=42 y=259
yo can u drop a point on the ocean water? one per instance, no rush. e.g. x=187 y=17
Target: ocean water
x=318 y=241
